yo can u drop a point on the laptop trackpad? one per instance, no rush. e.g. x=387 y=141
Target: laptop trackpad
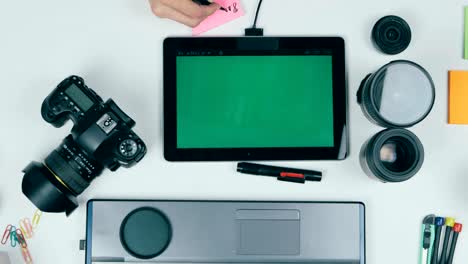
x=268 y=232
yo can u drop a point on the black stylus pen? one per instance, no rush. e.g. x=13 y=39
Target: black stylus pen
x=206 y=2
x=457 y=228
x=282 y=174
x=439 y=223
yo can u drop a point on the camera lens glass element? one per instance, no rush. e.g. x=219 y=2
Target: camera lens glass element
x=145 y=233
x=391 y=34
x=400 y=94
x=393 y=155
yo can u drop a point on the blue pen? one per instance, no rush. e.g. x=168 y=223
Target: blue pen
x=439 y=223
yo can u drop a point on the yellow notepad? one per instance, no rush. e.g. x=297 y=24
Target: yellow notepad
x=458 y=97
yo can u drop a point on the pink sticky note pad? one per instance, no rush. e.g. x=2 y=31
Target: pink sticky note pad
x=220 y=17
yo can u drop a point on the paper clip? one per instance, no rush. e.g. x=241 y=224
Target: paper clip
x=26 y=255
x=36 y=219
x=26 y=227
x=6 y=234
x=20 y=238
x=13 y=238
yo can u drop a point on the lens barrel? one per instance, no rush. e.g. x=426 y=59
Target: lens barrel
x=398 y=95
x=66 y=173
x=392 y=155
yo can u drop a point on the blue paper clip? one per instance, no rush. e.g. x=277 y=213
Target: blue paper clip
x=13 y=239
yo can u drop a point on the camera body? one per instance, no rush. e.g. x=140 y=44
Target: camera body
x=101 y=137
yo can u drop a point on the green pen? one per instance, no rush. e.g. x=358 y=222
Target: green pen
x=427 y=239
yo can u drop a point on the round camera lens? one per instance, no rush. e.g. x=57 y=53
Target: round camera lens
x=391 y=34
x=145 y=233
x=400 y=94
x=393 y=155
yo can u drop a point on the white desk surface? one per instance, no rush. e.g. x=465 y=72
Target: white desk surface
x=116 y=45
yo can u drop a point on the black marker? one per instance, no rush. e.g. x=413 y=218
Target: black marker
x=457 y=228
x=439 y=223
x=206 y=2
x=282 y=174
x=449 y=222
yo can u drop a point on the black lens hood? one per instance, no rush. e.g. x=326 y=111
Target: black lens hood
x=45 y=191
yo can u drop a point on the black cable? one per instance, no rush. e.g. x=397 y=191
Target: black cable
x=256 y=14
x=254 y=31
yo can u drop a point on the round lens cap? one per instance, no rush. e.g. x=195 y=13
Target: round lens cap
x=402 y=93
x=391 y=34
x=145 y=233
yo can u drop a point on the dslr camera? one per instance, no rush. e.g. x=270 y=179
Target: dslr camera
x=101 y=137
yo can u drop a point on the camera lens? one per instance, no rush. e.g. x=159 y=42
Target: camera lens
x=67 y=172
x=393 y=155
x=400 y=94
x=72 y=166
x=391 y=34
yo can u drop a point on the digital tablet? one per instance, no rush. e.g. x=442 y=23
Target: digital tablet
x=254 y=98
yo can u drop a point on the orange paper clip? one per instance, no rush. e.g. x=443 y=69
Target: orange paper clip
x=6 y=234
x=26 y=255
x=36 y=218
x=20 y=238
x=26 y=227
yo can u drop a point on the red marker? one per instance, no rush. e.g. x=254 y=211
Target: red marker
x=457 y=228
x=282 y=174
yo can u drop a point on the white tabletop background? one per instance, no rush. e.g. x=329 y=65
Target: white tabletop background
x=116 y=45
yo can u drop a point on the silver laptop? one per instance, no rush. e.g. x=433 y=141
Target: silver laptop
x=225 y=232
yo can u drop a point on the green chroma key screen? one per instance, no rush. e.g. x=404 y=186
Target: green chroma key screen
x=254 y=101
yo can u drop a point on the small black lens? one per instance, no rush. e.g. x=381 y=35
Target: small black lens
x=391 y=34
x=393 y=155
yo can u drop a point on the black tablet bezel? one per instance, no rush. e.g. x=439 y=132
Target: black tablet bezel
x=174 y=47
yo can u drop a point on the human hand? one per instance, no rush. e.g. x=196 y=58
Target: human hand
x=183 y=11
